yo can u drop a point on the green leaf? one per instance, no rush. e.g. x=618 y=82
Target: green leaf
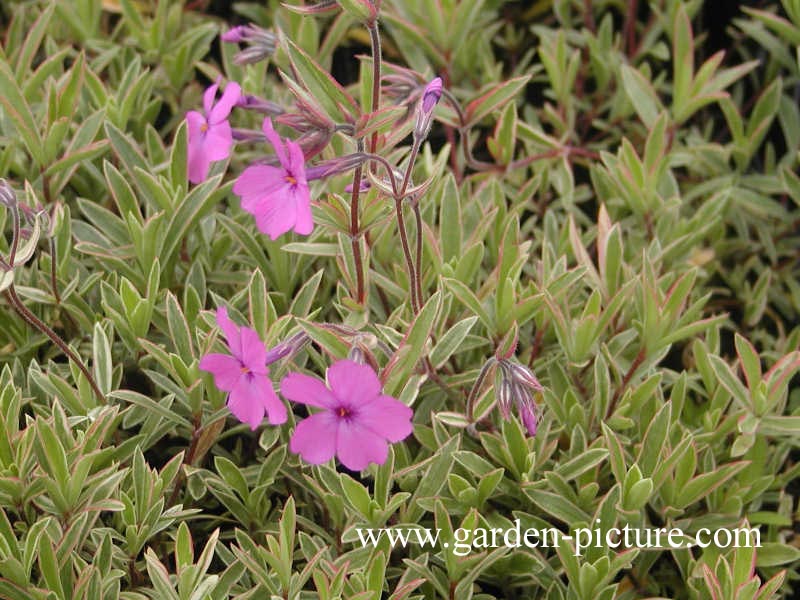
x=494 y=99
x=101 y=359
x=18 y=110
x=451 y=340
x=642 y=95
x=339 y=105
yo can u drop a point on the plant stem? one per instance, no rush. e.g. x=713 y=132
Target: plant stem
x=12 y=255
x=637 y=362
x=48 y=198
x=53 y=280
x=629 y=27
x=375 y=40
x=34 y=321
x=409 y=167
x=412 y=283
x=187 y=460
x=418 y=252
x=354 y=235
x=474 y=393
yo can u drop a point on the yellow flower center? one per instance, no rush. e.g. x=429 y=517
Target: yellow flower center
x=291 y=180
x=204 y=127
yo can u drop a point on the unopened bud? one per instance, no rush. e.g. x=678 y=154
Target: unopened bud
x=260 y=43
x=429 y=100
x=7 y=196
x=335 y=166
x=260 y=105
x=288 y=347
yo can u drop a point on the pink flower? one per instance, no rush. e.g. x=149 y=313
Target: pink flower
x=277 y=197
x=244 y=375
x=210 y=136
x=356 y=422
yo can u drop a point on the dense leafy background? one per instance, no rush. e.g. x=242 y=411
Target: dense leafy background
x=630 y=212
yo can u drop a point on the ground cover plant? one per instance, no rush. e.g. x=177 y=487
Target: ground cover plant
x=273 y=274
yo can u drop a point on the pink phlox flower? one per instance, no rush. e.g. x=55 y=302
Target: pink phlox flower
x=356 y=422
x=244 y=374
x=277 y=196
x=210 y=137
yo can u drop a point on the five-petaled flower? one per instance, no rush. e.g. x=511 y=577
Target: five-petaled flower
x=210 y=136
x=356 y=421
x=277 y=196
x=244 y=375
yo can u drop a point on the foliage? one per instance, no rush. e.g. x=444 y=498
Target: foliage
x=617 y=209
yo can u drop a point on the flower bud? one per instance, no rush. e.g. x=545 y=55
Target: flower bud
x=288 y=347
x=520 y=386
x=260 y=105
x=335 y=166
x=7 y=196
x=260 y=43
x=429 y=100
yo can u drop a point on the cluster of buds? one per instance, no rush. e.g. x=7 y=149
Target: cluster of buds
x=260 y=42
x=518 y=386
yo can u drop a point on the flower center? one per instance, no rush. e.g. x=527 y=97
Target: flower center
x=245 y=369
x=204 y=127
x=343 y=411
x=291 y=180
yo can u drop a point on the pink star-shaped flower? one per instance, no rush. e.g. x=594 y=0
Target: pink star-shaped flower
x=210 y=136
x=356 y=421
x=278 y=197
x=244 y=375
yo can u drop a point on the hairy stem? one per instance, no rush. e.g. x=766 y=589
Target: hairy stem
x=12 y=255
x=53 y=266
x=637 y=362
x=48 y=198
x=354 y=234
x=412 y=278
x=34 y=321
x=474 y=393
x=418 y=253
x=375 y=40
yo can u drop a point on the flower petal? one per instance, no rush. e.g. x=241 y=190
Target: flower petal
x=307 y=390
x=350 y=382
x=219 y=141
x=208 y=97
x=231 y=332
x=304 y=222
x=256 y=182
x=276 y=142
x=254 y=354
x=223 y=108
x=246 y=403
x=357 y=446
x=387 y=417
x=297 y=162
x=198 y=163
x=277 y=215
x=276 y=409
x=225 y=369
x=314 y=439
